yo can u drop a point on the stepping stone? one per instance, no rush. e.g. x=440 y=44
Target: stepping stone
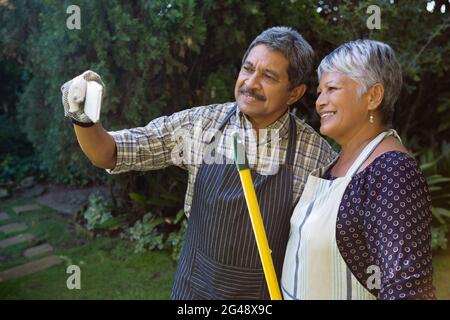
x=3 y=216
x=4 y=193
x=34 y=192
x=67 y=201
x=28 y=207
x=30 y=267
x=15 y=240
x=38 y=250
x=13 y=227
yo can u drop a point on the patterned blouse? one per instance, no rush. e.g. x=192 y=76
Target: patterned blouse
x=384 y=220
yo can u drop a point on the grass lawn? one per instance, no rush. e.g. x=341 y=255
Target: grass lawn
x=109 y=267
x=441 y=264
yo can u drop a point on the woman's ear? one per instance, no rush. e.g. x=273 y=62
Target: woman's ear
x=375 y=96
x=296 y=94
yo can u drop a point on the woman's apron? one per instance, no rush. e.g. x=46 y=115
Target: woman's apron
x=220 y=258
x=313 y=266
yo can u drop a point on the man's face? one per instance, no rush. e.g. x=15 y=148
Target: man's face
x=261 y=89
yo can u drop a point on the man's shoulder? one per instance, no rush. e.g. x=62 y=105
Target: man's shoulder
x=305 y=131
x=311 y=141
x=208 y=113
x=214 y=109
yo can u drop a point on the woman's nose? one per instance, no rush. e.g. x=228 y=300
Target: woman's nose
x=321 y=101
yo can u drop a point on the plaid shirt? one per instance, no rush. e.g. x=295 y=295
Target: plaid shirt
x=191 y=136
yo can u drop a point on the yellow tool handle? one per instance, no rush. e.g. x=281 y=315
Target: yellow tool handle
x=260 y=234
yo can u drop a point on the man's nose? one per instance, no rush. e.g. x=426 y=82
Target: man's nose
x=253 y=81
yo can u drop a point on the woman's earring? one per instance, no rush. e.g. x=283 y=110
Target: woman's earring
x=371 y=120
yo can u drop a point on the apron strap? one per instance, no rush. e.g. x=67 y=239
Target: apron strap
x=228 y=116
x=223 y=123
x=290 y=152
x=364 y=155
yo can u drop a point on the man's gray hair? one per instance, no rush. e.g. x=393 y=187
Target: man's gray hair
x=368 y=62
x=294 y=48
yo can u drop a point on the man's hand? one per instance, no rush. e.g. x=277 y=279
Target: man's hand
x=74 y=93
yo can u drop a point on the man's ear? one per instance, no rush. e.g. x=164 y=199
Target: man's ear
x=296 y=93
x=374 y=96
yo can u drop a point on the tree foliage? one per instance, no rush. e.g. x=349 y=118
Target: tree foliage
x=158 y=57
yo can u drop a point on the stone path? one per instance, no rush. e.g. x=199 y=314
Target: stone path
x=15 y=240
x=38 y=250
x=30 y=253
x=13 y=227
x=3 y=216
x=26 y=208
x=62 y=199
x=69 y=200
x=30 y=267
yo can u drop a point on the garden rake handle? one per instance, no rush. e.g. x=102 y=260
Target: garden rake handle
x=256 y=219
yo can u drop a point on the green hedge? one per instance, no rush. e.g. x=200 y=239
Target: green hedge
x=158 y=57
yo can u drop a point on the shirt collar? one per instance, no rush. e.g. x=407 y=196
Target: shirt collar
x=281 y=124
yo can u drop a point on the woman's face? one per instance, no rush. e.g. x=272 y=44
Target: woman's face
x=342 y=111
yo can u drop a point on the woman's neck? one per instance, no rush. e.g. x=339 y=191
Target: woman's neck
x=353 y=146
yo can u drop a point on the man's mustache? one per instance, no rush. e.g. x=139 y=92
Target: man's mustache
x=252 y=93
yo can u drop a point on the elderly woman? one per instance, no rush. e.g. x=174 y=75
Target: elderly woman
x=361 y=229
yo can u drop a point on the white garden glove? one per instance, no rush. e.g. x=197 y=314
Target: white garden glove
x=73 y=96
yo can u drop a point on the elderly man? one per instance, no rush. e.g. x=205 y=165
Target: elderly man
x=219 y=259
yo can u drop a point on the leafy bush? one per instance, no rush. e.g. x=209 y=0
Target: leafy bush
x=436 y=166
x=17 y=160
x=98 y=212
x=155 y=231
x=176 y=238
x=146 y=234
x=158 y=57
x=439 y=237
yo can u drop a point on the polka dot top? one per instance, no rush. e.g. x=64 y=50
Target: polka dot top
x=384 y=220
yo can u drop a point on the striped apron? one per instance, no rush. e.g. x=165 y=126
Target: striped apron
x=220 y=259
x=313 y=266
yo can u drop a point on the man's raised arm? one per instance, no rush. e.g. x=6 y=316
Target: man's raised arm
x=97 y=145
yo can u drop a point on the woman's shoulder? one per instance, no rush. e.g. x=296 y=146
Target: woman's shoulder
x=394 y=164
x=392 y=187
x=388 y=147
x=393 y=176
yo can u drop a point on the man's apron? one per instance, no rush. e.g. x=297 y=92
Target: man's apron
x=220 y=259
x=313 y=266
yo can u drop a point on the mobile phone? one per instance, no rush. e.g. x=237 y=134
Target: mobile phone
x=93 y=102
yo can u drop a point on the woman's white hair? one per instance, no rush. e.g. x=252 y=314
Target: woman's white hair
x=368 y=62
